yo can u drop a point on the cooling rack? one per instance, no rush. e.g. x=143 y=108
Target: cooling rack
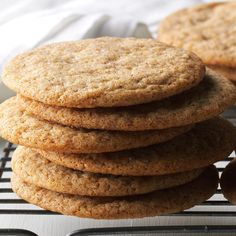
x=208 y=208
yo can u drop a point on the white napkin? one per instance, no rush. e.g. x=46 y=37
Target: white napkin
x=38 y=22
x=29 y=31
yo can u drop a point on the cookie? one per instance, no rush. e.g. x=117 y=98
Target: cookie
x=156 y=203
x=228 y=182
x=207 y=30
x=33 y=168
x=19 y=128
x=227 y=72
x=208 y=99
x=103 y=72
x=207 y=143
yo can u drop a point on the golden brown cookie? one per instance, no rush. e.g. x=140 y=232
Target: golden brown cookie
x=103 y=72
x=17 y=127
x=227 y=72
x=207 y=30
x=207 y=143
x=208 y=99
x=228 y=182
x=156 y=203
x=33 y=168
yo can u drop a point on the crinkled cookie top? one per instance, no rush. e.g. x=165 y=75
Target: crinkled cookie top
x=103 y=72
x=209 y=30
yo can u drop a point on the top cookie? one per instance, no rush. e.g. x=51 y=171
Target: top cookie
x=209 y=30
x=103 y=72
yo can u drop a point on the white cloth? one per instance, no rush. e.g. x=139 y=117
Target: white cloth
x=25 y=24
x=38 y=22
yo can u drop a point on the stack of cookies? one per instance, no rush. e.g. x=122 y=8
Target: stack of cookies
x=115 y=128
x=209 y=31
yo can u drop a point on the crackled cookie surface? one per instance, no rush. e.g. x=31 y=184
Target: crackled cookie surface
x=20 y=128
x=209 y=30
x=103 y=72
x=33 y=168
x=206 y=100
x=207 y=143
x=156 y=203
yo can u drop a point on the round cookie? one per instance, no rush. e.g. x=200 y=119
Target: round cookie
x=207 y=143
x=207 y=30
x=227 y=72
x=228 y=182
x=156 y=203
x=208 y=99
x=19 y=128
x=33 y=168
x=103 y=72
